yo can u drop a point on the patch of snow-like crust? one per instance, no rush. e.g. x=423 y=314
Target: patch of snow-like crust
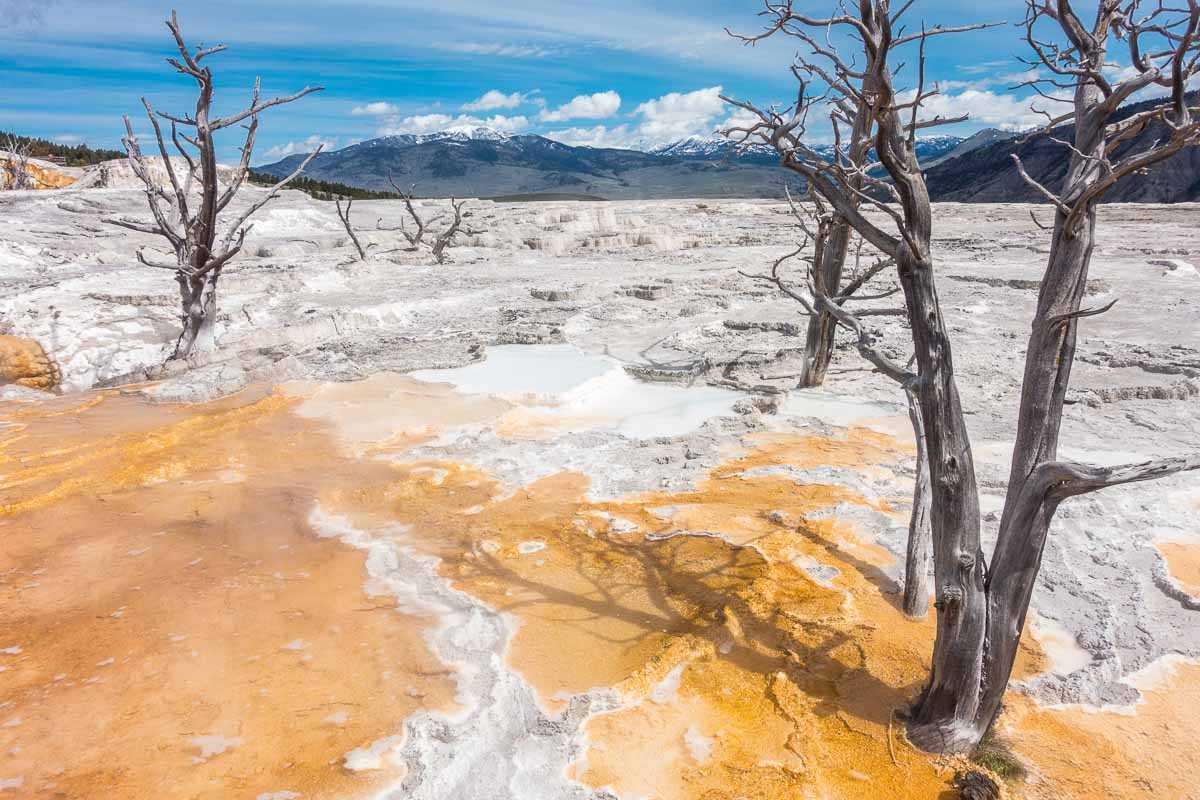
x=584 y=391
x=501 y=745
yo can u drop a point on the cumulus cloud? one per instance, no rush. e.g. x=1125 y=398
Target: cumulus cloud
x=596 y=136
x=376 y=109
x=678 y=115
x=998 y=109
x=434 y=123
x=585 y=106
x=306 y=146
x=494 y=99
x=657 y=122
x=661 y=121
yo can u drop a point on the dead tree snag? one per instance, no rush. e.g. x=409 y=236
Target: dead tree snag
x=981 y=608
x=344 y=216
x=190 y=223
x=20 y=177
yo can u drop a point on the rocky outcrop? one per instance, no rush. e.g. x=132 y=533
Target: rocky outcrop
x=42 y=174
x=23 y=362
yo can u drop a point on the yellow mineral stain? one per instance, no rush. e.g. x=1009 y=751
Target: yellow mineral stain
x=25 y=363
x=749 y=629
x=391 y=412
x=743 y=675
x=169 y=624
x=40 y=177
x=1183 y=563
x=1091 y=754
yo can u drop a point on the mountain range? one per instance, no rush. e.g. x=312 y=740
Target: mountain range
x=987 y=174
x=481 y=162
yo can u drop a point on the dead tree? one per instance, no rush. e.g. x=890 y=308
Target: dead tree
x=818 y=226
x=1163 y=47
x=822 y=326
x=443 y=239
x=446 y=237
x=981 y=609
x=414 y=239
x=344 y=216
x=188 y=222
x=20 y=177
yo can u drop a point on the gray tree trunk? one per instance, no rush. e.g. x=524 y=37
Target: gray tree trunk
x=1029 y=504
x=915 y=602
x=949 y=702
x=198 y=296
x=822 y=327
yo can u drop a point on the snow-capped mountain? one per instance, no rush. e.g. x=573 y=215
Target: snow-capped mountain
x=929 y=148
x=455 y=134
x=483 y=162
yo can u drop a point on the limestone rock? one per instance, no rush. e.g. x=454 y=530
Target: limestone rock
x=25 y=363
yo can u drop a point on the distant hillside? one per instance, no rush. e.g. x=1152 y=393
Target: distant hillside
x=77 y=155
x=987 y=173
x=973 y=142
x=322 y=190
x=484 y=163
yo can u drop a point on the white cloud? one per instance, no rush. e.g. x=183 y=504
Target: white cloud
x=1005 y=80
x=585 y=106
x=999 y=109
x=307 y=146
x=376 y=109
x=69 y=138
x=678 y=115
x=597 y=136
x=497 y=49
x=493 y=99
x=663 y=120
x=434 y=123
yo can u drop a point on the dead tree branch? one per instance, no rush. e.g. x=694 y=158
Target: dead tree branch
x=193 y=230
x=345 y=218
x=20 y=176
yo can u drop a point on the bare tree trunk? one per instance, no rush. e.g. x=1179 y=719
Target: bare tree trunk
x=344 y=216
x=822 y=327
x=1049 y=357
x=944 y=715
x=198 y=296
x=915 y=603
x=193 y=235
x=981 y=611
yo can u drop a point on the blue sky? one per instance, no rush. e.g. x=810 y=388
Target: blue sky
x=600 y=72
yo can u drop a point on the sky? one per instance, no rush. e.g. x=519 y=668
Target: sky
x=598 y=72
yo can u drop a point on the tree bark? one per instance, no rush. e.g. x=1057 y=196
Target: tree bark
x=944 y=715
x=819 y=338
x=1028 y=505
x=198 y=296
x=915 y=602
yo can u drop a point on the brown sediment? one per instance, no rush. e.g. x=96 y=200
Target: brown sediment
x=40 y=177
x=794 y=682
x=1148 y=751
x=758 y=654
x=1183 y=563
x=172 y=625
x=25 y=363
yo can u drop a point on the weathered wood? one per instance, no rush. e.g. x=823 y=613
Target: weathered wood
x=193 y=233
x=345 y=218
x=981 y=612
x=915 y=601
